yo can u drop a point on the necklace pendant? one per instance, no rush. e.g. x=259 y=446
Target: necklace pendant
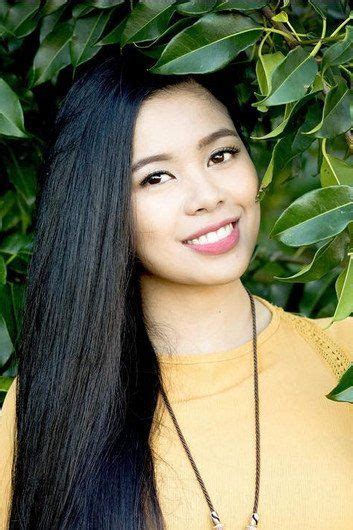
x=253 y=522
x=215 y=519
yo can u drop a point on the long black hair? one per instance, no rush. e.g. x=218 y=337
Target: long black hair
x=88 y=376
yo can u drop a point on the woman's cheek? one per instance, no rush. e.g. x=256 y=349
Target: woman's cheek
x=151 y=227
x=245 y=186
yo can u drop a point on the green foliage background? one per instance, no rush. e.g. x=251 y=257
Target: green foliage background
x=294 y=60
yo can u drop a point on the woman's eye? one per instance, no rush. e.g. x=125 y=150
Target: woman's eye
x=219 y=155
x=155 y=178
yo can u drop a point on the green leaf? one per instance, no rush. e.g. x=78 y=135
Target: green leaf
x=5 y=383
x=291 y=79
x=320 y=7
x=241 y=5
x=282 y=16
x=6 y=346
x=336 y=117
x=51 y=6
x=18 y=298
x=147 y=20
x=339 y=53
x=20 y=19
x=3 y=271
x=14 y=244
x=350 y=231
x=279 y=159
x=326 y=258
x=292 y=110
x=335 y=171
x=266 y=273
x=265 y=66
x=11 y=307
x=173 y=29
x=154 y=52
x=196 y=7
x=53 y=54
x=105 y=4
x=208 y=45
x=344 y=390
x=81 y=10
x=49 y=22
x=9 y=214
x=284 y=125
x=316 y=291
x=6 y=203
x=87 y=32
x=114 y=36
x=288 y=147
x=11 y=115
x=315 y=216
x=344 y=290
x=23 y=177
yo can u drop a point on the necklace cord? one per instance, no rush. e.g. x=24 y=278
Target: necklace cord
x=214 y=514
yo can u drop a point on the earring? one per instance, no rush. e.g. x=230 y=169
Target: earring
x=259 y=193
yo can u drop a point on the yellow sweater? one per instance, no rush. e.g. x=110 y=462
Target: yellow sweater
x=306 y=439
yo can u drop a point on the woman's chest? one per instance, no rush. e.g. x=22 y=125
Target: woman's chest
x=306 y=460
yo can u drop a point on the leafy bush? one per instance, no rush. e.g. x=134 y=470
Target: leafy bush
x=295 y=82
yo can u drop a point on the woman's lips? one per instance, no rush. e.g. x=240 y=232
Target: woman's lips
x=218 y=247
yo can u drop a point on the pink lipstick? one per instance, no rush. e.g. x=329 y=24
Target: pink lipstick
x=217 y=247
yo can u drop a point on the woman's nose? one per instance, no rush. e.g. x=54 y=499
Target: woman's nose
x=203 y=193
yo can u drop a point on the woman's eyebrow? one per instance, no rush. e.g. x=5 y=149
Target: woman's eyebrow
x=220 y=133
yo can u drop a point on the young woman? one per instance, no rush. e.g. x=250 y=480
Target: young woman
x=135 y=311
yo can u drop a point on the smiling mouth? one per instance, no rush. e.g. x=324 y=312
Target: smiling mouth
x=213 y=237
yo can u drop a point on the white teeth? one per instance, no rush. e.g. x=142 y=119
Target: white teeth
x=211 y=237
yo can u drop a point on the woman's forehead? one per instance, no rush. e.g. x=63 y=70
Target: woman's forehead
x=178 y=117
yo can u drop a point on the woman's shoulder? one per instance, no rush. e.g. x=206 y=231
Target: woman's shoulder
x=7 y=424
x=7 y=437
x=340 y=330
x=333 y=341
x=8 y=410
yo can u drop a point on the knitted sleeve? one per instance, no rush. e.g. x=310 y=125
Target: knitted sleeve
x=334 y=344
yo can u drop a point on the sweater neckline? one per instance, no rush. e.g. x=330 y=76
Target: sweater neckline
x=238 y=351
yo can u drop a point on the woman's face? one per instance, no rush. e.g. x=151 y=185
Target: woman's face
x=198 y=185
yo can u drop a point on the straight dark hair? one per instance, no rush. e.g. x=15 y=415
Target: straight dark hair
x=88 y=376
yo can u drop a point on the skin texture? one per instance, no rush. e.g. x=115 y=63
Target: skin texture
x=197 y=301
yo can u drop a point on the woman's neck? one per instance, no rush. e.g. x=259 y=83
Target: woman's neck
x=197 y=319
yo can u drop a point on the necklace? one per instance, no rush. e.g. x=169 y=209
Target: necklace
x=213 y=513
